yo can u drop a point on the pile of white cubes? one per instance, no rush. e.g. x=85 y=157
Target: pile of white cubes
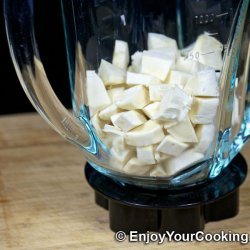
x=157 y=115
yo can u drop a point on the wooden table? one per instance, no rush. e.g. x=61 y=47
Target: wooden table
x=45 y=202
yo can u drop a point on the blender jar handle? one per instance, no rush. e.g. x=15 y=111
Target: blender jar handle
x=19 y=16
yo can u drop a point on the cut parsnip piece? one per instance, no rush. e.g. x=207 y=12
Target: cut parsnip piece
x=98 y=125
x=204 y=83
x=156 y=41
x=169 y=124
x=114 y=117
x=97 y=100
x=184 y=64
x=146 y=154
x=112 y=130
x=158 y=171
x=176 y=164
x=136 y=61
x=205 y=134
x=134 y=166
x=178 y=78
x=208 y=51
x=156 y=64
x=110 y=74
x=129 y=120
x=170 y=146
x=121 y=55
x=106 y=113
x=173 y=54
x=141 y=79
x=119 y=159
x=183 y=131
x=203 y=110
x=175 y=104
x=156 y=92
x=159 y=157
x=152 y=110
x=133 y=98
x=115 y=93
x=145 y=135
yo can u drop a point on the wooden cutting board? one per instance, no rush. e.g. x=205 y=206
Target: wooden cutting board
x=45 y=202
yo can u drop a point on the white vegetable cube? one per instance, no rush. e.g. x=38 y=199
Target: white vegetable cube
x=160 y=157
x=110 y=74
x=156 y=64
x=141 y=79
x=129 y=120
x=169 y=124
x=158 y=171
x=156 y=41
x=134 y=166
x=115 y=93
x=156 y=92
x=178 y=77
x=204 y=83
x=145 y=135
x=97 y=95
x=175 y=104
x=119 y=159
x=121 y=54
x=188 y=158
x=183 y=131
x=133 y=98
x=205 y=134
x=184 y=64
x=114 y=117
x=203 y=110
x=146 y=154
x=98 y=125
x=112 y=130
x=208 y=51
x=171 y=53
x=170 y=146
x=152 y=110
x=106 y=113
x=136 y=61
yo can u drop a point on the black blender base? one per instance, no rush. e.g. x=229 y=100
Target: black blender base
x=133 y=208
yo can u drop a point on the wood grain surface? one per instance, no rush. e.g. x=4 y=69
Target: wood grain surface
x=45 y=202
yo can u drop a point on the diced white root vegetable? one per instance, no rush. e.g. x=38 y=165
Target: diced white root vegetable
x=156 y=92
x=106 y=113
x=135 y=97
x=115 y=93
x=178 y=78
x=205 y=134
x=159 y=157
x=146 y=154
x=204 y=83
x=97 y=95
x=169 y=124
x=112 y=130
x=156 y=64
x=175 y=104
x=158 y=171
x=129 y=120
x=98 y=124
x=141 y=79
x=121 y=55
x=152 y=110
x=156 y=41
x=184 y=64
x=134 y=166
x=208 y=51
x=110 y=74
x=184 y=131
x=145 y=135
x=176 y=164
x=136 y=61
x=170 y=146
x=114 y=117
x=119 y=159
x=173 y=54
x=203 y=110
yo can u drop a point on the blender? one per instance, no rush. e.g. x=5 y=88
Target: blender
x=160 y=103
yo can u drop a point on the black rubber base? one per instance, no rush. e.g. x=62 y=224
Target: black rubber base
x=183 y=211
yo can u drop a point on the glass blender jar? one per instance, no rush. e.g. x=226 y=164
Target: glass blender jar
x=159 y=88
